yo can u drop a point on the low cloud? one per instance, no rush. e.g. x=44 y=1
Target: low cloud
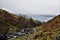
x=36 y=7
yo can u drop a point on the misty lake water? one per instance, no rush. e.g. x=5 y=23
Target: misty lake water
x=42 y=18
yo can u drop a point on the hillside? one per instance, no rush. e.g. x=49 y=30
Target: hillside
x=10 y=23
x=47 y=31
x=7 y=21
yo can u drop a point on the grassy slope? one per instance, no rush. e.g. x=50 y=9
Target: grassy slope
x=7 y=21
x=47 y=31
x=10 y=21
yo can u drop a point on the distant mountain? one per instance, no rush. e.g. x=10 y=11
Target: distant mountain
x=42 y=18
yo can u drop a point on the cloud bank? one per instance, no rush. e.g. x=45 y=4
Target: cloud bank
x=34 y=7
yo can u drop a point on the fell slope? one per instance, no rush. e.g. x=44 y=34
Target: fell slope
x=48 y=31
x=12 y=23
x=7 y=21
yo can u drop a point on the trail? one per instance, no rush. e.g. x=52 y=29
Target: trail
x=29 y=37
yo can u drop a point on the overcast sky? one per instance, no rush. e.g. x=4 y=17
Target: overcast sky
x=34 y=7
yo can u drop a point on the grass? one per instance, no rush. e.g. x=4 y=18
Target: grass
x=20 y=38
x=38 y=36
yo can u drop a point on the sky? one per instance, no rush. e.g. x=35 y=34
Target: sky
x=33 y=7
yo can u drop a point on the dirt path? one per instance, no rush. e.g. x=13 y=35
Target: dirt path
x=29 y=37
